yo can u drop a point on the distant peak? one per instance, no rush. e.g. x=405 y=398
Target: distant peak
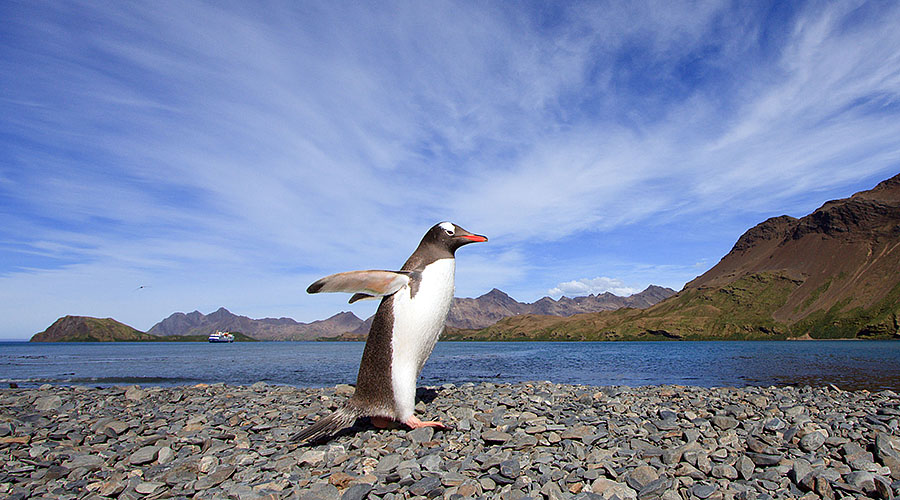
x=496 y=292
x=344 y=314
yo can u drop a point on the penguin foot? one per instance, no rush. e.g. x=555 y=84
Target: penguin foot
x=413 y=422
x=383 y=422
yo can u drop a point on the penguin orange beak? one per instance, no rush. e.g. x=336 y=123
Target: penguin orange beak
x=476 y=238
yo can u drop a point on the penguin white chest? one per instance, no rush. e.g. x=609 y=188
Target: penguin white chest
x=418 y=322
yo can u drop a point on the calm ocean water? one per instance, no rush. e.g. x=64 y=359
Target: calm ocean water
x=869 y=365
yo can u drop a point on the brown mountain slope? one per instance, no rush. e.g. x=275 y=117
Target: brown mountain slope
x=846 y=254
x=832 y=273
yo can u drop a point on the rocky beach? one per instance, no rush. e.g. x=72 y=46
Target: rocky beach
x=525 y=440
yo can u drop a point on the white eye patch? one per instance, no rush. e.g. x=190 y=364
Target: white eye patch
x=447 y=226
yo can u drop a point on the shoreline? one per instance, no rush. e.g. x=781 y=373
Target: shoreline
x=532 y=439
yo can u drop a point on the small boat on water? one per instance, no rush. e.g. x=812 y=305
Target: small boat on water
x=221 y=337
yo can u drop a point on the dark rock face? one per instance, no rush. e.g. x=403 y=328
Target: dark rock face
x=495 y=305
x=775 y=228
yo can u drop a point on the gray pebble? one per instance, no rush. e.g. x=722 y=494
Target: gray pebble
x=703 y=490
x=812 y=441
x=357 y=492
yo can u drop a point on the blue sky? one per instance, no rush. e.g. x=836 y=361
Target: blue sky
x=171 y=156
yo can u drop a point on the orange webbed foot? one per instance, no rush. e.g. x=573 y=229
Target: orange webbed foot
x=413 y=422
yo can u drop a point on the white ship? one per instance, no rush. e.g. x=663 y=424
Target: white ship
x=221 y=337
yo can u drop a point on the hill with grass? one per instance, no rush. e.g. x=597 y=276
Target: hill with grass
x=834 y=273
x=87 y=329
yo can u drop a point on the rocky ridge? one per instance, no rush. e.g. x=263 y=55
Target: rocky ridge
x=529 y=440
x=495 y=305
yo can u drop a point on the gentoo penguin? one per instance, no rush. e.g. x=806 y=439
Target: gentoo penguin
x=414 y=304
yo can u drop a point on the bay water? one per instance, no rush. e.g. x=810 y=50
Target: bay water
x=872 y=365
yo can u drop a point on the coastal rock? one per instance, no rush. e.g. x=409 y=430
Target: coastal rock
x=47 y=403
x=144 y=455
x=812 y=441
x=183 y=442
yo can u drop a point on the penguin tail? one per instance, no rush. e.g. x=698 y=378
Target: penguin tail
x=327 y=426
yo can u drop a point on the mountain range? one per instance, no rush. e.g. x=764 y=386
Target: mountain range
x=834 y=273
x=464 y=313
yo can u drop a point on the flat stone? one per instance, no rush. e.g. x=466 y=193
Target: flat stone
x=320 y=491
x=764 y=459
x=887 y=451
x=148 y=487
x=144 y=455
x=744 y=467
x=165 y=455
x=215 y=477
x=135 y=393
x=89 y=462
x=357 y=492
x=654 y=489
x=672 y=455
x=510 y=469
x=724 y=422
x=800 y=470
x=421 y=435
x=431 y=463
x=724 y=471
x=117 y=427
x=451 y=479
x=312 y=457
x=812 y=441
x=48 y=403
x=760 y=446
x=111 y=488
x=56 y=472
x=774 y=424
x=607 y=488
x=701 y=490
x=425 y=485
x=641 y=476
x=344 y=389
x=495 y=436
x=863 y=480
x=823 y=488
x=341 y=479
x=577 y=432
x=387 y=463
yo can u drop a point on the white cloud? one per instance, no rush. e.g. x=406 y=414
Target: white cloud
x=592 y=286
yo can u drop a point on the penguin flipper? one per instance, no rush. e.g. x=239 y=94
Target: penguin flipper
x=327 y=426
x=371 y=283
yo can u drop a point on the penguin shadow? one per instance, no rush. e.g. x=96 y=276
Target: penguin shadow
x=362 y=424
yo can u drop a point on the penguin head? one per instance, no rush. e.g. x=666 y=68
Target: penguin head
x=450 y=236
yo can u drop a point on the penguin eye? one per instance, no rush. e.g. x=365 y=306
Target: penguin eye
x=449 y=232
